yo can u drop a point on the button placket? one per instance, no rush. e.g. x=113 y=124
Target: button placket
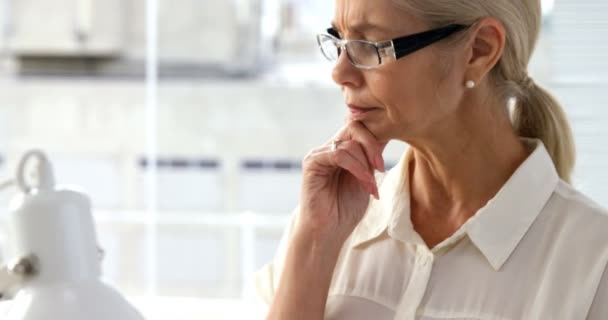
x=417 y=286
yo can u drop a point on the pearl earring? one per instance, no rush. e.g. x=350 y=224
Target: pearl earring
x=470 y=84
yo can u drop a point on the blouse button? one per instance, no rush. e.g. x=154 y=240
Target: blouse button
x=424 y=260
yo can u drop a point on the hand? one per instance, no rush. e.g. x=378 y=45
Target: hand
x=337 y=184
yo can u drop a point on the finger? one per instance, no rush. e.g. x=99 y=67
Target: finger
x=334 y=159
x=355 y=130
x=373 y=148
x=321 y=149
x=343 y=159
x=355 y=149
x=325 y=156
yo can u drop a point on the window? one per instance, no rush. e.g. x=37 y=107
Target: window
x=194 y=173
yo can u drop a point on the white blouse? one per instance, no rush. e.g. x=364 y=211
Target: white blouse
x=537 y=250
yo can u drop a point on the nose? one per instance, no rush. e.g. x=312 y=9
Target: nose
x=345 y=74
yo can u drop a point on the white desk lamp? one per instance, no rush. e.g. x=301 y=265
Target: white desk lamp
x=57 y=263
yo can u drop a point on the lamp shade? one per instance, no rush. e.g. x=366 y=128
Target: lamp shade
x=52 y=233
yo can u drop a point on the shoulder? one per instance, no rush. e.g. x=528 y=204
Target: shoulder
x=576 y=204
x=571 y=216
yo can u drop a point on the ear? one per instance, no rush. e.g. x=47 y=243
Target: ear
x=485 y=47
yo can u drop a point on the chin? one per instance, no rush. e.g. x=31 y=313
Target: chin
x=380 y=131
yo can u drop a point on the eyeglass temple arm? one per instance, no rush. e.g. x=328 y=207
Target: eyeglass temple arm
x=408 y=44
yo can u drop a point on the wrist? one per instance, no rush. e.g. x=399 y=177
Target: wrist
x=307 y=274
x=319 y=243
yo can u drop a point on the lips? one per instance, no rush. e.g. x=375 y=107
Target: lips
x=357 y=110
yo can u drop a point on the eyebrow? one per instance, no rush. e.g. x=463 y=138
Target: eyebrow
x=360 y=27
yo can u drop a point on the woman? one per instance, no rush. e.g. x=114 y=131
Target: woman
x=478 y=220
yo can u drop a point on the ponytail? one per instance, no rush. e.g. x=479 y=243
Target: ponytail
x=538 y=115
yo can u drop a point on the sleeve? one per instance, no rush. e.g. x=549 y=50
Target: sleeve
x=266 y=279
x=599 y=307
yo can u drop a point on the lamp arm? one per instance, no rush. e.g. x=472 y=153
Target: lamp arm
x=9 y=284
x=8 y=281
x=13 y=275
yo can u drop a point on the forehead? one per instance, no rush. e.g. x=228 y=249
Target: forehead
x=353 y=14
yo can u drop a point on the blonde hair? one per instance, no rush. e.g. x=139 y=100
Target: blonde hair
x=537 y=114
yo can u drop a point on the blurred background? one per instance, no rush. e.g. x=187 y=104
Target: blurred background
x=186 y=122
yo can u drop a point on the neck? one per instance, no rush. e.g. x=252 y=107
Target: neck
x=458 y=170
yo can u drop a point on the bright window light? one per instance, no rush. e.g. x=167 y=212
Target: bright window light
x=547 y=6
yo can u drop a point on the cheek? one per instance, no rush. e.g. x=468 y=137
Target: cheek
x=406 y=93
x=404 y=108
x=414 y=93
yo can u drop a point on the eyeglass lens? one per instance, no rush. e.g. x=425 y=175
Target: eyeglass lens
x=360 y=53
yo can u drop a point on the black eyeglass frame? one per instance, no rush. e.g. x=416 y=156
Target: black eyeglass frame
x=396 y=48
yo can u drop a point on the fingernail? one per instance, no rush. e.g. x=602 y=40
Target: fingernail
x=373 y=190
x=380 y=163
x=372 y=179
x=370 y=188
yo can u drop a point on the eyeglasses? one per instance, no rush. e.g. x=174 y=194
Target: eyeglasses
x=365 y=54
